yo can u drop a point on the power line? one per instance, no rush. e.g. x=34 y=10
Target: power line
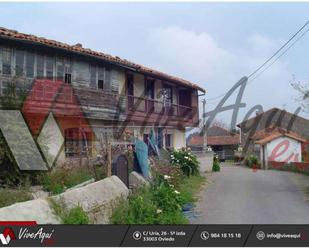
x=279 y=56
x=255 y=71
x=268 y=60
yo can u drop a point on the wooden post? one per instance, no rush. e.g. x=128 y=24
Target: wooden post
x=109 y=159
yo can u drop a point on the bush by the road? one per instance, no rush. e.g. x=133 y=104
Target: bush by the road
x=186 y=161
x=162 y=201
x=252 y=161
x=216 y=166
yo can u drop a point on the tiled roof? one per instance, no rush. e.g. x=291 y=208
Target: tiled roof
x=197 y=140
x=14 y=35
x=223 y=140
x=276 y=117
x=267 y=135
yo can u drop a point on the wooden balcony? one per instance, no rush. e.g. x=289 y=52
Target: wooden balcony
x=150 y=111
x=69 y=100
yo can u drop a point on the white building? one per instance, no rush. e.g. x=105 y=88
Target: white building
x=280 y=146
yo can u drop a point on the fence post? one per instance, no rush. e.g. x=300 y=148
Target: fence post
x=109 y=159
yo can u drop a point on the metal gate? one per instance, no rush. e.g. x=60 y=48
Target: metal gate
x=120 y=168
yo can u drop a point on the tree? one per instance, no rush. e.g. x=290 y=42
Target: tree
x=303 y=90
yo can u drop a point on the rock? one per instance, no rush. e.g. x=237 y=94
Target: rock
x=37 y=210
x=136 y=180
x=37 y=192
x=98 y=199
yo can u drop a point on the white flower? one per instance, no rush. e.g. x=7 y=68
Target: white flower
x=166 y=177
x=186 y=157
x=177 y=192
x=159 y=211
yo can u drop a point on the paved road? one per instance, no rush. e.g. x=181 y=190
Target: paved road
x=237 y=195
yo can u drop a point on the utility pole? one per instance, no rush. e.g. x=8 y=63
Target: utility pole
x=204 y=126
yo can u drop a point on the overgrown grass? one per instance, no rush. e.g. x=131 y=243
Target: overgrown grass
x=9 y=197
x=60 y=179
x=160 y=203
x=73 y=216
x=190 y=186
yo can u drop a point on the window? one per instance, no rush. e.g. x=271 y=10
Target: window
x=77 y=142
x=168 y=140
x=6 y=61
x=67 y=78
x=60 y=69
x=100 y=84
x=100 y=78
x=40 y=66
x=50 y=68
x=167 y=94
x=93 y=76
x=19 y=62
x=67 y=71
x=5 y=88
x=30 y=65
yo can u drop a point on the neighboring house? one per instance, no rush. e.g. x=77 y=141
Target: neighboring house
x=115 y=95
x=222 y=142
x=278 y=145
x=270 y=128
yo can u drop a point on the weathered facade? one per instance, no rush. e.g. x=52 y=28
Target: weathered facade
x=109 y=95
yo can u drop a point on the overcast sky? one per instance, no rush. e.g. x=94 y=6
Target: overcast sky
x=211 y=44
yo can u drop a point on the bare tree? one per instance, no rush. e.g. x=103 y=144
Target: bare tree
x=303 y=90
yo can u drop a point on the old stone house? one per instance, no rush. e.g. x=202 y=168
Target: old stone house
x=95 y=97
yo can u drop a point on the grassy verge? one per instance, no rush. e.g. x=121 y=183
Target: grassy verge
x=74 y=216
x=160 y=203
x=9 y=197
x=190 y=186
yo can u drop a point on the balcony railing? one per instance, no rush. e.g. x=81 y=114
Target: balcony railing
x=146 y=105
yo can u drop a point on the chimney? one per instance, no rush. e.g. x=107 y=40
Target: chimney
x=79 y=45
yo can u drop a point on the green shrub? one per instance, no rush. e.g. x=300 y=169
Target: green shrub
x=76 y=216
x=160 y=203
x=251 y=161
x=216 y=166
x=9 y=197
x=166 y=197
x=138 y=209
x=186 y=161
